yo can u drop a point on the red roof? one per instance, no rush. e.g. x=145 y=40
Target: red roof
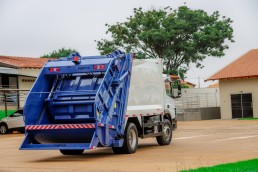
x=187 y=83
x=245 y=66
x=23 y=62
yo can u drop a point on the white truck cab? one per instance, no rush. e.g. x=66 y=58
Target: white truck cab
x=151 y=105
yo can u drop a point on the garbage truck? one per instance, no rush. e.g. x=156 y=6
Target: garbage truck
x=80 y=103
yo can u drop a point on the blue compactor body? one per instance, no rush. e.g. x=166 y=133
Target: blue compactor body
x=78 y=103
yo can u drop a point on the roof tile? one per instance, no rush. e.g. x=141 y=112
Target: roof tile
x=245 y=66
x=23 y=62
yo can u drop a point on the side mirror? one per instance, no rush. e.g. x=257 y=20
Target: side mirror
x=173 y=93
x=179 y=94
x=171 y=86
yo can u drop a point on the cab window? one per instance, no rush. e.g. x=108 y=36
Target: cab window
x=168 y=88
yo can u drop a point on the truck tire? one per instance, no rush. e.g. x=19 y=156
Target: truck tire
x=72 y=152
x=166 y=138
x=130 y=140
x=3 y=128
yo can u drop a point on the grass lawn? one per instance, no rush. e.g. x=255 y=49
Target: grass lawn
x=248 y=166
x=9 y=112
x=248 y=118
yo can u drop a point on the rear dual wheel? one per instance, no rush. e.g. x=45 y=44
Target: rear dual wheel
x=130 y=144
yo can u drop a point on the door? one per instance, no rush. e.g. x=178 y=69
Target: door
x=241 y=105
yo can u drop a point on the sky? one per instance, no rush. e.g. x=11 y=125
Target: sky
x=32 y=28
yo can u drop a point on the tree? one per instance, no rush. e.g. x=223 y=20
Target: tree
x=181 y=37
x=63 y=52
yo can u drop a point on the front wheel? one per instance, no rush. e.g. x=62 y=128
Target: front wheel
x=130 y=144
x=165 y=139
x=3 y=129
x=72 y=152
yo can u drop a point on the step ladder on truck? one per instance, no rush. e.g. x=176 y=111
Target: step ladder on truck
x=79 y=103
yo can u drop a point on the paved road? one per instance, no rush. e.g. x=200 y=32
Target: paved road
x=199 y=143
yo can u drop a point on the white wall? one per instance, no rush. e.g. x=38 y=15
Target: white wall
x=29 y=71
x=237 y=86
x=206 y=97
x=12 y=82
x=25 y=83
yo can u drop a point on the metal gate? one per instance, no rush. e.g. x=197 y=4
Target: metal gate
x=242 y=106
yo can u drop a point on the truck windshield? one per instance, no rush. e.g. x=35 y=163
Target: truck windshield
x=80 y=82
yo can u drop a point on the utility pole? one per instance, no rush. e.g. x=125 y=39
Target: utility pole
x=5 y=104
x=199 y=85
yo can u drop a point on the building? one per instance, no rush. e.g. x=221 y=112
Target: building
x=19 y=73
x=188 y=84
x=238 y=84
x=216 y=85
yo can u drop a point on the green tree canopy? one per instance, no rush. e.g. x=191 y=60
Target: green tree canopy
x=63 y=52
x=181 y=37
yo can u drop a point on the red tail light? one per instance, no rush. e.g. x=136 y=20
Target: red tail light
x=54 y=69
x=98 y=66
x=75 y=58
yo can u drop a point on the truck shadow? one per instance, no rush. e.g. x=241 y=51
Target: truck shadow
x=93 y=155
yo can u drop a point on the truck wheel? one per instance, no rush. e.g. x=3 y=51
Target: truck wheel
x=130 y=140
x=72 y=152
x=165 y=139
x=3 y=129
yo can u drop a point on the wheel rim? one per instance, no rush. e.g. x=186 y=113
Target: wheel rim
x=166 y=132
x=132 y=138
x=3 y=129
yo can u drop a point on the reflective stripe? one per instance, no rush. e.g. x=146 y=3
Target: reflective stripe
x=59 y=126
x=147 y=114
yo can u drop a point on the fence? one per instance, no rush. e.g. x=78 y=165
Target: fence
x=12 y=99
x=192 y=102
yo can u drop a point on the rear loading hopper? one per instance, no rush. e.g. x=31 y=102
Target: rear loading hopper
x=78 y=103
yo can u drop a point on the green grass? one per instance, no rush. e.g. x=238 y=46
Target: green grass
x=9 y=112
x=248 y=118
x=247 y=166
